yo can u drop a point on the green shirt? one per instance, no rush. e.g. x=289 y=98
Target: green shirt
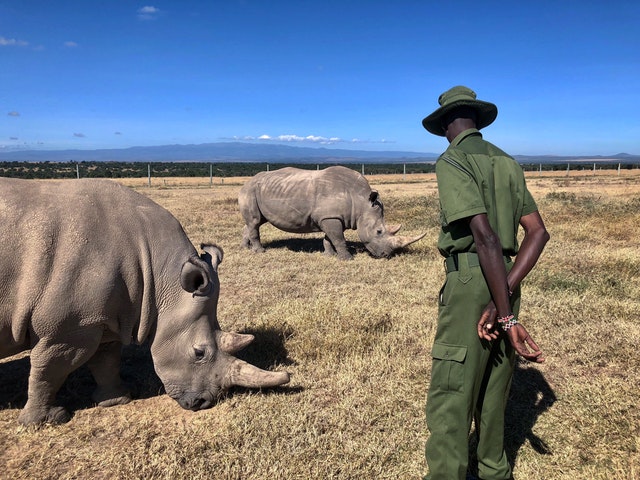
x=477 y=177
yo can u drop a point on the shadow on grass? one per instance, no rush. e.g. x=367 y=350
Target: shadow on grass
x=530 y=396
x=268 y=349
x=137 y=373
x=314 y=245
x=136 y=369
x=309 y=245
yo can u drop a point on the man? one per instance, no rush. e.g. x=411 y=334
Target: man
x=483 y=200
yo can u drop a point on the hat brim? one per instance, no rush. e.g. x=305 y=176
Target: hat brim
x=486 y=114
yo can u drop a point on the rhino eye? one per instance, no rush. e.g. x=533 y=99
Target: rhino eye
x=379 y=231
x=199 y=353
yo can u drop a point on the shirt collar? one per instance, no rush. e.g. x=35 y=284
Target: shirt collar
x=463 y=135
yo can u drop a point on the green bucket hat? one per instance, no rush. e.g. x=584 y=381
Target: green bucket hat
x=458 y=97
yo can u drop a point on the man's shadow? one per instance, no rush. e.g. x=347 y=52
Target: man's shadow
x=530 y=396
x=137 y=371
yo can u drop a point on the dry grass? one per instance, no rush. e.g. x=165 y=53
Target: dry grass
x=356 y=337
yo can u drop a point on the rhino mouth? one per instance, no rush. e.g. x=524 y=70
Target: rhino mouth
x=197 y=401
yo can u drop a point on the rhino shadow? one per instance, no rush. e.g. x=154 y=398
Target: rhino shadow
x=137 y=371
x=268 y=349
x=530 y=396
x=310 y=245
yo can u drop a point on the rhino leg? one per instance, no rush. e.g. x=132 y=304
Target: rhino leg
x=251 y=238
x=105 y=368
x=334 y=238
x=44 y=382
x=328 y=247
x=52 y=360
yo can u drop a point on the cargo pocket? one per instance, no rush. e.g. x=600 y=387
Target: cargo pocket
x=447 y=372
x=441 y=300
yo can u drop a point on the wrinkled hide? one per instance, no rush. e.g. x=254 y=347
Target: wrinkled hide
x=89 y=265
x=330 y=201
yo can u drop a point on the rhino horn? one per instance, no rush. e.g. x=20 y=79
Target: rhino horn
x=401 y=242
x=231 y=342
x=393 y=229
x=242 y=374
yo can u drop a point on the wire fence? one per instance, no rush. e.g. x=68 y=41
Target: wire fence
x=149 y=170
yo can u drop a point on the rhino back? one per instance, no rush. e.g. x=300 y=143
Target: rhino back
x=82 y=252
x=297 y=200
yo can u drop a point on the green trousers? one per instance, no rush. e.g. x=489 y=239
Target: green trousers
x=470 y=378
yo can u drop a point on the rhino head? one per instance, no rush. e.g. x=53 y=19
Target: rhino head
x=380 y=240
x=191 y=355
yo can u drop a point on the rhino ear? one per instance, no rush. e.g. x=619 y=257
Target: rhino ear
x=212 y=255
x=373 y=196
x=195 y=277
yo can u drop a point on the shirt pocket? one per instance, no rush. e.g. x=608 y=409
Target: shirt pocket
x=447 y=371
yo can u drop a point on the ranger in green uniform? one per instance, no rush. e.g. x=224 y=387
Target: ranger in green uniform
x=483 y=200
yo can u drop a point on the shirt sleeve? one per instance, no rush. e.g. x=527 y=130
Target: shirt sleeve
x=529 y=204
x=459 y=194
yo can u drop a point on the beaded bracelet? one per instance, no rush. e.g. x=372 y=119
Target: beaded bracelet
x=507 y=322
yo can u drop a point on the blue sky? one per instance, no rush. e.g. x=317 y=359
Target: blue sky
x=86 y=74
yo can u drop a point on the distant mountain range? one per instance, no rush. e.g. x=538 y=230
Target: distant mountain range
x=228 y=152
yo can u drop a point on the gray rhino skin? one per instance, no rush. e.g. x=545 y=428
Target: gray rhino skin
x=331 y=201
x=89 y=265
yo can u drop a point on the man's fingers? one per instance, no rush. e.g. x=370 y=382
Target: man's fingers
x=529 y=341
x=535 y=356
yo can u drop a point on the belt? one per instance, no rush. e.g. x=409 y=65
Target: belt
x=451 y=263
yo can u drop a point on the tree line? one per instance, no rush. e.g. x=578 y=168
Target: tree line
x=60 y=170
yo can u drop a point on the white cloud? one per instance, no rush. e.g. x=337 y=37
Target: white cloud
x=290 y=138
x=79 y=135
x=12 y=42
x=14 y=114
x=148 y=13
x=298 y=138
x=70 y=44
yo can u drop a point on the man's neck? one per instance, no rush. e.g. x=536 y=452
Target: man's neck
x=458 y=126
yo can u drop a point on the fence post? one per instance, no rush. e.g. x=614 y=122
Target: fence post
x=78 y=170
x=149 y=174
x=210 y=175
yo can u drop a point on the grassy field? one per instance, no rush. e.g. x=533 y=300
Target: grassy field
x=356 y=337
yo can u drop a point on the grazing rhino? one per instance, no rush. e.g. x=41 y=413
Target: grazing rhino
x=89 y=265
x=330 y=201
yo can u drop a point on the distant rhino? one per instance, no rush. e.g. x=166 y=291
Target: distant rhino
x=89 y=265
x=330 y=201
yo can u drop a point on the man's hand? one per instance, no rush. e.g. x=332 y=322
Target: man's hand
x=524 y=344
x=521 y=341
x=488 y=322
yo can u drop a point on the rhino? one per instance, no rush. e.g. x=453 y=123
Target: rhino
x=331 y=201
x=87 y=266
